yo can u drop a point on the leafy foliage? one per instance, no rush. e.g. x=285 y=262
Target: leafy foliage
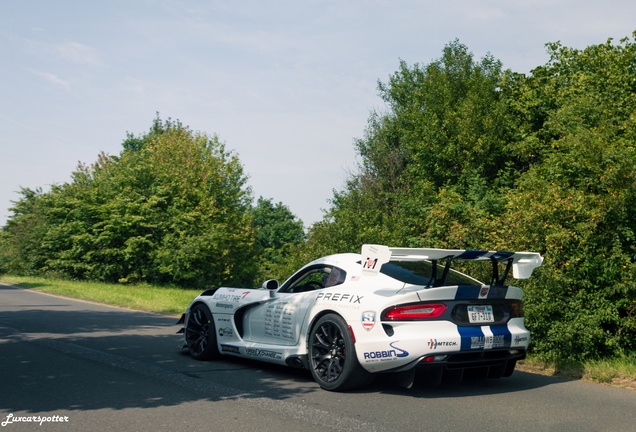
x=172 y=208
x=471 y=156
x=431 y=163
x=577 y=205
x=278 y=234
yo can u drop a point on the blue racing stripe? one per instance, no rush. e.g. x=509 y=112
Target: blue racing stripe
x=472 y=338
x=468 y=292
x=497 y=292
x=471 y=254
x=502 y=338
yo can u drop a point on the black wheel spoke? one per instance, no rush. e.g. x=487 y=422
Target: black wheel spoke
x=199 y=318
x=200 y=343
x=334 y=370
x=321 y=342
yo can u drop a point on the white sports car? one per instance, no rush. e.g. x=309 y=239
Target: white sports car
x=347 y=317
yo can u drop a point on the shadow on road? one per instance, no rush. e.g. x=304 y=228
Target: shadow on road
x=519 y=381
x=58 y=354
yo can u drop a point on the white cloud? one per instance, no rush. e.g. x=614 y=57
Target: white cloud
x=78 y=53
x=54 y=79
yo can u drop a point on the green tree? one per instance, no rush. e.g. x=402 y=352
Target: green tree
x=469 y=156
x=442 y=138
x=200 y=190
x=5 y=256
x=577 y=205
x=23 y=233
x=278 y=233
x=172 y=208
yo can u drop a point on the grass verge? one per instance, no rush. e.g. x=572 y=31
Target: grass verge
x=617 y=372
x=139 y=297
x=620 y=372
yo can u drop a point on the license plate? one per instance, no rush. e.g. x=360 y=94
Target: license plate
x=480 y=314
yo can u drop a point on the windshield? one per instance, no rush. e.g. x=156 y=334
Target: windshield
x=420 y=272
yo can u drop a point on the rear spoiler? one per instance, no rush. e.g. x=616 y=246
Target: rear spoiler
x=522 y=263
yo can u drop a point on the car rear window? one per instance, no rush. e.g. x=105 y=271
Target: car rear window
x=420 y=272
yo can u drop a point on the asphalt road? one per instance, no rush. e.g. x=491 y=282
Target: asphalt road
x=77 y=366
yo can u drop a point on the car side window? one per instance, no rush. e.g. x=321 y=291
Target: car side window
x=315 y=278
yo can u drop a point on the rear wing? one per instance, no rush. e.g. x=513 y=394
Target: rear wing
x=522 y=263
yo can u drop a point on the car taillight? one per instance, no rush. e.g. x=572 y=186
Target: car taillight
x=516 y=309
x=414 y=312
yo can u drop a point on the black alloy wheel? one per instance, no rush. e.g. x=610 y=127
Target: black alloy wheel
x=200 y=333
x=332 y=356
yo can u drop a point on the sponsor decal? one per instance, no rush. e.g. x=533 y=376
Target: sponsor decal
x=368 y=320
x=224 y=297
x=230 y=348
x=486 y=337
x=370 y=263
x=487 y=342
x=518 y=339
x=391 y=354
x=255 y=352
x=434 y=343
x=376 y=255
x=339 y=297
x=226 y=331
x=483 y=292
x=224 y=305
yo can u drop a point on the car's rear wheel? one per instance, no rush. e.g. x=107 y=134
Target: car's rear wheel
x=200 y=333
x=332 y=356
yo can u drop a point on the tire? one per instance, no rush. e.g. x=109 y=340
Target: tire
x=332 y=356
x=200 y=333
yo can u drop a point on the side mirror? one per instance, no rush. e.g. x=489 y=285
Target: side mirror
x=271 y=285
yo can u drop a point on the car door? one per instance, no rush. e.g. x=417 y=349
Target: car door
x=279 y=320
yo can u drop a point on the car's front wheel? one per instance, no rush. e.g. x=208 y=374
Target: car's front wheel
x=332 y=356
x=200 y=333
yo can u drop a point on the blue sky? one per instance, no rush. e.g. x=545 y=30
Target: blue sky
x=287 y=85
